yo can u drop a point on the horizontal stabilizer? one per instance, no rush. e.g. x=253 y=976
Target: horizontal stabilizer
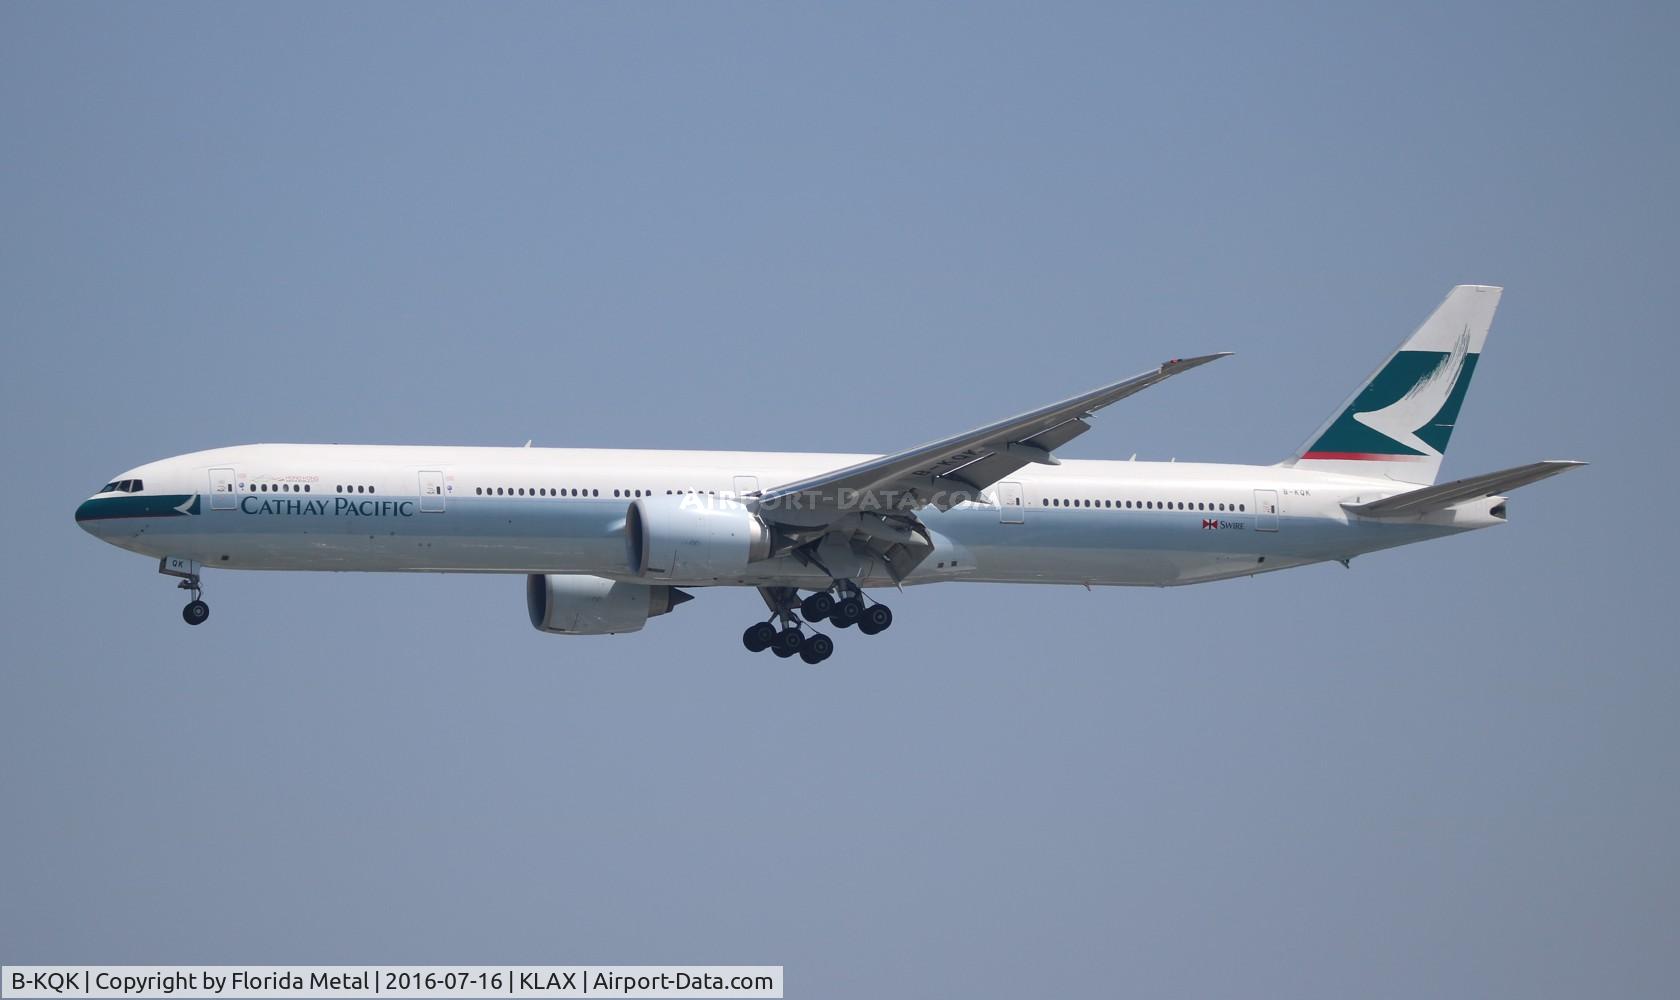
x=1432 y=498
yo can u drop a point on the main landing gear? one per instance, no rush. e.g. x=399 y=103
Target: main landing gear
x=843 y=606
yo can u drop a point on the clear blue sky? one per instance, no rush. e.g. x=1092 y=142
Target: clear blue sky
x=1448 y=771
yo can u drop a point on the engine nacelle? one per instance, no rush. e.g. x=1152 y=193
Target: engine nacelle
x=590 y=605
x=697 y=536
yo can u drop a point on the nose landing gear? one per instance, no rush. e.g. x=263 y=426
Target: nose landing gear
x=196 y=612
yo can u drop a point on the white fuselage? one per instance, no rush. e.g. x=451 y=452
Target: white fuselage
x=563 y=511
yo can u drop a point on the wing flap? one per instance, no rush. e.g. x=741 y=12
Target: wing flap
x=1432 y=498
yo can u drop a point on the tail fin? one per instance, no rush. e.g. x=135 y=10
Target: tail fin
x=1398 y=423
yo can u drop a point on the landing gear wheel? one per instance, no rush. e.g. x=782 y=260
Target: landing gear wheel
x=816 y=649
x=818 y=606
x=757 y=638
x=876 y=618
x=196 y=613
x=847 y=613
x=788 y=642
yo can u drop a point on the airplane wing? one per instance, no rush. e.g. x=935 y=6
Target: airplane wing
x=1431 y=498
x=949 y=471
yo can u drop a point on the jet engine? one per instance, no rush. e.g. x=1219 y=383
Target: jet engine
x=590 y=605
x=695 y=536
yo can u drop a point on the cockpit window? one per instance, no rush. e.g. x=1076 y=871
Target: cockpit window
x=124 y=486
x=109 y=488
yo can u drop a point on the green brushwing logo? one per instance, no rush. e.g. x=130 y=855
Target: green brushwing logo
x=1408 y=409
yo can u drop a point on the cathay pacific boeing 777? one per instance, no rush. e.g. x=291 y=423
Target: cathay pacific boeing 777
x=605 y=539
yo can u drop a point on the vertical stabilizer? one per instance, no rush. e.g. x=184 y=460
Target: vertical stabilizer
x=1398 y=423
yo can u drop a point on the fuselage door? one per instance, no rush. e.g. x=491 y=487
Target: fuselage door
x=1265 y=510
x=1009 y=502
x=745 y=485
x=431 y=491
x=222 y=486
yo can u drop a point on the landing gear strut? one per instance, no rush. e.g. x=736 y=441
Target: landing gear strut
x=842 y=606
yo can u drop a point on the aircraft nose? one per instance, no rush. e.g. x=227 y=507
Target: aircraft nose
x=87 y=515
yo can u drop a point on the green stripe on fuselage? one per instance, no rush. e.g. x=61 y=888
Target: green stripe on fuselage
x=108 y=508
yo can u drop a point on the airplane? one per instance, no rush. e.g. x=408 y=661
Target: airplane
x=608 y=539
